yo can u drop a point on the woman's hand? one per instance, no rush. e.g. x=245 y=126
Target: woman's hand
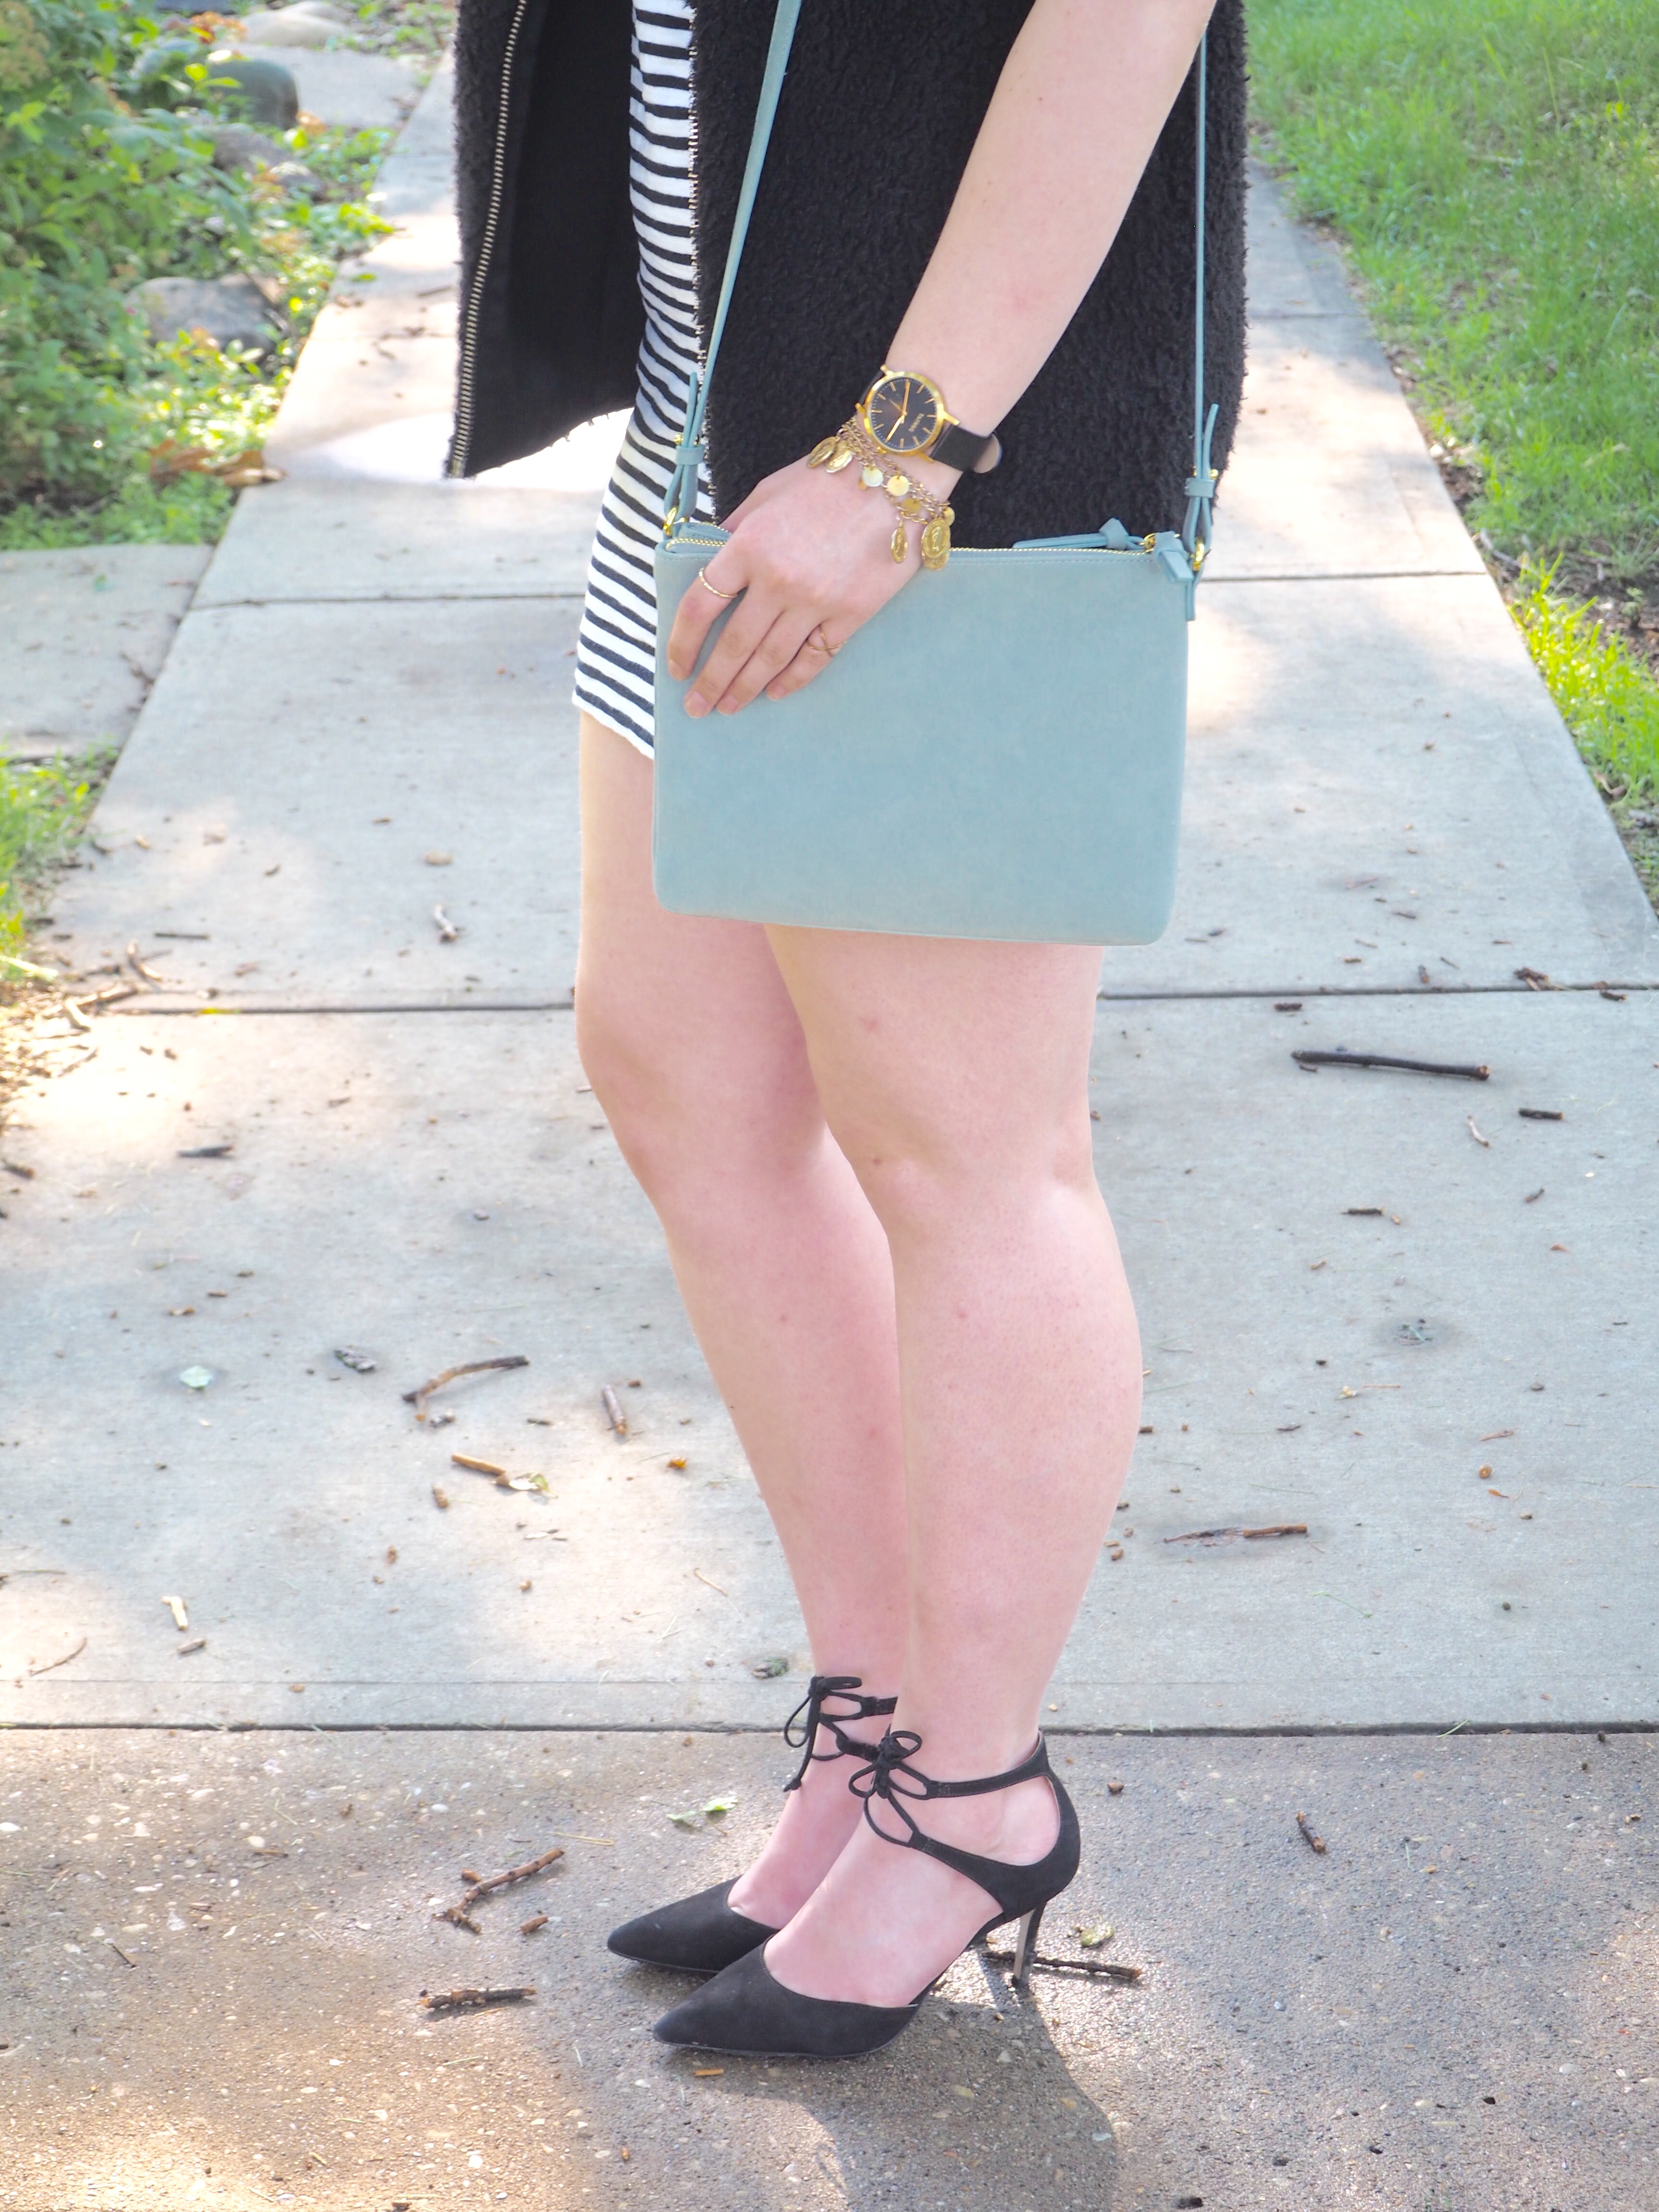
x=811 y=555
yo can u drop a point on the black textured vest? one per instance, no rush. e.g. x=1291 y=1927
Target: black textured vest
x=858 y=179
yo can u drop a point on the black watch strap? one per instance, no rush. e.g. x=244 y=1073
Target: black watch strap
x=965 y=449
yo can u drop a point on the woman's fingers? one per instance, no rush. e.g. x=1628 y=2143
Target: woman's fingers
x=702 y=604
x=811 y=659
x=781 y=644
x=749 y=623
x=805 y=551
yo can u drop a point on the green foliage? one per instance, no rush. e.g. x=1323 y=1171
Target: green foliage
x=1607 y=697
x=42 y=811
x=403 y=27
x=106 y=178
x=1495 y=168
x=185 y=510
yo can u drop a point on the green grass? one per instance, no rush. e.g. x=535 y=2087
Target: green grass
x=1607 y=697
x=1492 y=166
x=43 y=811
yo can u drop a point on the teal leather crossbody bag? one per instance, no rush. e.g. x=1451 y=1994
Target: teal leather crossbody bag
x=996 y=754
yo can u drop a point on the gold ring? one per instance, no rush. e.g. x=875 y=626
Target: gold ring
x=817 y=637
x=703 y=580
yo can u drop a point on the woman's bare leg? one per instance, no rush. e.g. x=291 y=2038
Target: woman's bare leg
x=696 y=1055
x=955 y=1077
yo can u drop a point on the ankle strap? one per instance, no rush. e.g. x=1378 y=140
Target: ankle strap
x=881 y=1778
x=892 y=1757
x=800 y=1729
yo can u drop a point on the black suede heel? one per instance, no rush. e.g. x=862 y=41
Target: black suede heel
x=701 y=1934
x=746 y=2011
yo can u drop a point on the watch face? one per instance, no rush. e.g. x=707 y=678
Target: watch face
x=904 y=413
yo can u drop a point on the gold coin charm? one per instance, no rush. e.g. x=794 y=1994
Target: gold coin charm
x=901 y=543
x=870 y=475
x=897 y=485
x=839 y=458
x=936 y=542
x=912 y=510
x=821 y=453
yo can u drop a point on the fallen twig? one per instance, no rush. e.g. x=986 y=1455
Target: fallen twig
x=176 y=1607
x=447 y=931
x=1314 y=1843
x=49 y=1664
x=703 y=1577
x=1109 y=1969
x=147 y=974
x=459 y=1917
x=119 y=1953
x=446 y=2000
x=1468 y=1072
x=499 y=1475
x=418 y=1398
x=1539 y=1113
x=1475 y=1132
x=1534 y=978
x=207 y=1152
x=483 y=1884
x=529 y=1927
x=1211 y=1535
x=613 y=1412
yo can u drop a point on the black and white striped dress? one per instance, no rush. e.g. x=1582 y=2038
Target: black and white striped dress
x=616 y=649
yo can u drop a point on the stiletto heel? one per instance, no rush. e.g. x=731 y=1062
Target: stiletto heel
x=747 y=2011
x=1025 y=1946
x=701 y=1934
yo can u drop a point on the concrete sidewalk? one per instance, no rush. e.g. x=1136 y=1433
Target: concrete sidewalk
x=1450 y=2009
x=332 y=1129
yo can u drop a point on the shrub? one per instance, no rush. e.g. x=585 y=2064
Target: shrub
x=107 y=177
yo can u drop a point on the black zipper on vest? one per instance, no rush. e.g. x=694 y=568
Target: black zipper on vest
x=464 y=388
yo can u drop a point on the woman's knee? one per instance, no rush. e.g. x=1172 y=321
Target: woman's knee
x=935 y=1174
x=691 y=1107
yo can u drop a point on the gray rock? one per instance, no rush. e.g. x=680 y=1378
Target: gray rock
x=263 y=91
x=239 y=146
x=295 y=177
x=232 y=310
x=286 y=27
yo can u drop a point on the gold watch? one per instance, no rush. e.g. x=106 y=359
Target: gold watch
x=905 y=414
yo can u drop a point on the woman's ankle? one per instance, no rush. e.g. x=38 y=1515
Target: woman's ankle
x=1018 y=1825
x=810 y=1837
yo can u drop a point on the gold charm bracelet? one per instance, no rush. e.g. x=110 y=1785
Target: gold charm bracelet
x=879 y=473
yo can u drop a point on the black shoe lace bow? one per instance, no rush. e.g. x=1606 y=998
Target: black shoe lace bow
x=891 y=1761
x=800 y=1729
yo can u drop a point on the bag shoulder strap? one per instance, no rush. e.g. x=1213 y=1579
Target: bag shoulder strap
x=1198 y=530
x=680 y=499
